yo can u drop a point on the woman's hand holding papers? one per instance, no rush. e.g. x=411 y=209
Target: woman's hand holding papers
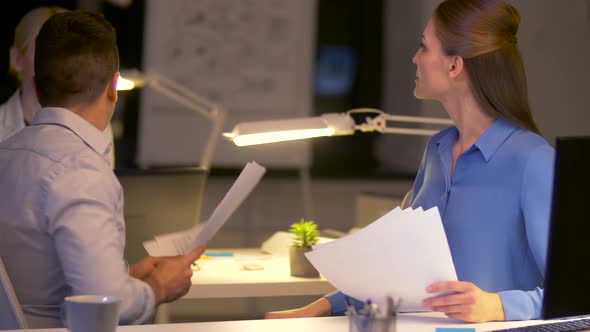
x=171 y=277
x=318 y=308
x=466 y=302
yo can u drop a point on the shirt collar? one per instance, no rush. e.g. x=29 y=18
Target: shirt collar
x=87 y=132
x=445 y=141
x=488 y=143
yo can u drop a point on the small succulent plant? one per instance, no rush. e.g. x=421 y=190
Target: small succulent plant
x=305 y=233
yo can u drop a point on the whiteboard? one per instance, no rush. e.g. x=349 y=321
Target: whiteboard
x=253 y=57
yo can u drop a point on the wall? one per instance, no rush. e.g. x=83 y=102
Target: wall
x=554 y=40
x=278 y=202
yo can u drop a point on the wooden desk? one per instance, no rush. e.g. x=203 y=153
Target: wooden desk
x=224 y=277
x=406 y=323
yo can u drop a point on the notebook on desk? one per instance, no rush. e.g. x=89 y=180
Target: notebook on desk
x=567 y=274
x=159 y=201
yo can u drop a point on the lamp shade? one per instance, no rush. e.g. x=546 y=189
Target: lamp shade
x=271 y=131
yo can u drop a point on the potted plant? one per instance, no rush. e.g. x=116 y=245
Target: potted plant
x=305 y=235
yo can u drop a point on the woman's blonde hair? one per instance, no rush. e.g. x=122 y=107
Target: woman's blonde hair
x=28 y=28
x=483 y=33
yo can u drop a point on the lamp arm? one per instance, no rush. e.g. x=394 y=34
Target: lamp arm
x=214 y=136
x=417 y=119
x=213 y=112
x=184 y=96
x=379 y=123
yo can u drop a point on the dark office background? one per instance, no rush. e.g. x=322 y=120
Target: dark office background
x=354 y=27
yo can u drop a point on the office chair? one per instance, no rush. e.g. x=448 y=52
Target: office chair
x=11 y=314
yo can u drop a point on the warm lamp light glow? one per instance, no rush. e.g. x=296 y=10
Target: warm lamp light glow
x=271 y=131
x=124 y=84
x=279 y=136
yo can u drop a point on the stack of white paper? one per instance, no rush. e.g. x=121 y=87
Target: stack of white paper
x=180 y=243
x=397 y=255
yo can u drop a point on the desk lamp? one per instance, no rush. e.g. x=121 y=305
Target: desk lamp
x=329 y=124
x=182 y=95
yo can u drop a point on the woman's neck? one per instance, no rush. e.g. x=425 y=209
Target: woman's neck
x=469 y=118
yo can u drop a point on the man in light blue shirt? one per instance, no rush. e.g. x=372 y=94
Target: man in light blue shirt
x=61 y=209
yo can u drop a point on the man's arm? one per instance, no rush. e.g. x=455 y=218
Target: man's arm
x=84 y=215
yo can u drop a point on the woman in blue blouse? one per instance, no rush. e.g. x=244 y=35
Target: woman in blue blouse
x=490 y=175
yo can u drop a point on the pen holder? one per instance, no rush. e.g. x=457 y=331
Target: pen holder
x=362 y=323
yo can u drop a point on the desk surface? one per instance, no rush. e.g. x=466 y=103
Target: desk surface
x=224 y=277
x=406 y=323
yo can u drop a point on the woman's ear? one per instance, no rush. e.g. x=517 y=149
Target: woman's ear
x=16 y=59
x=455 y=66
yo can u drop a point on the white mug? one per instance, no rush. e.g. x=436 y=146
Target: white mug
x=91 y=313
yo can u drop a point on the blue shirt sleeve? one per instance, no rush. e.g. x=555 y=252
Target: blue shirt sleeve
x=536 y=191
x=338 y=302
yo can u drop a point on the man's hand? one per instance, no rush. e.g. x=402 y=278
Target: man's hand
x=321 y=307
x=142 y=269
x=171 y=278
x=467 y=302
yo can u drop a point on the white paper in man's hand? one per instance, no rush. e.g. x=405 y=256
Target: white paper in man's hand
x=179 y=243
x=245 y=183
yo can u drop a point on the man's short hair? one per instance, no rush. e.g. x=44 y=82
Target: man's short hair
x=75 y=58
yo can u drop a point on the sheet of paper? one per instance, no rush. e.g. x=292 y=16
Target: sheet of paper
x=151 y=247
x=246 y=182
x=397 y=255
x=179 y=243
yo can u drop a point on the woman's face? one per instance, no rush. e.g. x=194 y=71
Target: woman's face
x=432 y=66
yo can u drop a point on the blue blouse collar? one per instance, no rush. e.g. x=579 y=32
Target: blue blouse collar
x=488 y=143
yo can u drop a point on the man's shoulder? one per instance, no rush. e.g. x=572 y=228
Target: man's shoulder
x=54 y=145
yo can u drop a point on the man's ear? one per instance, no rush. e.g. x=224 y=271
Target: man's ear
x=112 y=88
x=16 y=59
x=455 y=66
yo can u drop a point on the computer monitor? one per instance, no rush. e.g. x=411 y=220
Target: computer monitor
x=159 y=201
x=567 y=274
